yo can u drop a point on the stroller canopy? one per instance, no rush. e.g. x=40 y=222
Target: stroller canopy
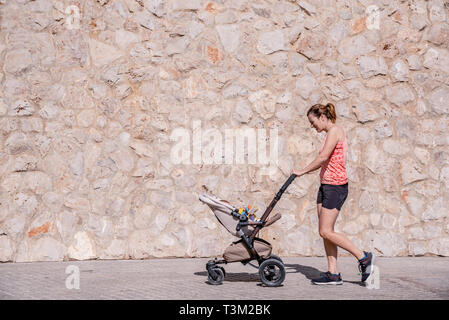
x=223 y=211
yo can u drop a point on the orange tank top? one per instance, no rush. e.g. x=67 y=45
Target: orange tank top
x=333 y=171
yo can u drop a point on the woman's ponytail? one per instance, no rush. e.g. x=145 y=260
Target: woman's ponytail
x=330 y=112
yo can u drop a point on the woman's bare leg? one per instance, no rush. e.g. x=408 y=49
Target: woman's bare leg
x=330 y=249
x=327 y=218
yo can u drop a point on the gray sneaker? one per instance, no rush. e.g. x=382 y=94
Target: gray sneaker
x=366 y=266
x=328 y=278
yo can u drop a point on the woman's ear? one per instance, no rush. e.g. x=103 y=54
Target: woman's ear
x=323 y=117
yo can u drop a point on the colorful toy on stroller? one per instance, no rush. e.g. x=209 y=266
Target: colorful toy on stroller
x=243 y=224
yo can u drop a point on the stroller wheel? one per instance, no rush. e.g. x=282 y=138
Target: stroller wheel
x=273 y=256
x=272 y=272
x=217 y=275
x=224 y=272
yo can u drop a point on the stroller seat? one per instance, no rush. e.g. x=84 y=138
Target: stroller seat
x=223 y=212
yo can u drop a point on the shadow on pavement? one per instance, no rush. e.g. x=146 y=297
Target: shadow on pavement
x=236 y=276
x=309 y=272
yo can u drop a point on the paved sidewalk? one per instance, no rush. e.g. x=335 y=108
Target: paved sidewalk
x=169 y=279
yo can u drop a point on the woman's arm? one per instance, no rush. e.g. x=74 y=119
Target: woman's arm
x=329 y=146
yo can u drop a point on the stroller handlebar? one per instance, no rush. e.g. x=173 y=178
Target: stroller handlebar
x=285 y=186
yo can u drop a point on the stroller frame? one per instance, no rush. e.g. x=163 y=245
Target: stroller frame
x=216 y=274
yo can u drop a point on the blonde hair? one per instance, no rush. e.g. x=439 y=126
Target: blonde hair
x=328 y=110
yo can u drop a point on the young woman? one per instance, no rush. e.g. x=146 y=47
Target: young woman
x=333 y=192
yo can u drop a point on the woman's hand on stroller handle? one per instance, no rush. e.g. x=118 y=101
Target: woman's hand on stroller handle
x=297 y=173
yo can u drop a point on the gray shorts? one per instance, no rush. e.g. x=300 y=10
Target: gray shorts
x=332 y=196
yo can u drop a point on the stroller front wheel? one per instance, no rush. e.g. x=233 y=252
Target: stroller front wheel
x=272 y=272
x=216 y=276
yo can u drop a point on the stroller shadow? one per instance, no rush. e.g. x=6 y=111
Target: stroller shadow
x=309 y=272
x=235 y=277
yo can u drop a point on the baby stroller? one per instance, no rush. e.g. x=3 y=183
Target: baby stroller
x=248 y=247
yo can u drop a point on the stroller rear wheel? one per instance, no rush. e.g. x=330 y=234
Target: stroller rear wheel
x=272 y=272
x=216 y=275
x=273 y=256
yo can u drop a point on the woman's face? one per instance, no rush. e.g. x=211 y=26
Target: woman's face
x=316 y=123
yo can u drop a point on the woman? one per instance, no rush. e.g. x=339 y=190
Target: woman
x=332 y=193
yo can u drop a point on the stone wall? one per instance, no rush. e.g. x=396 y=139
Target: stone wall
x=92 y=92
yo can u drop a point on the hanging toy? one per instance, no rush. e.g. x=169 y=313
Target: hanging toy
x=252 y=213
x=249 y=212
